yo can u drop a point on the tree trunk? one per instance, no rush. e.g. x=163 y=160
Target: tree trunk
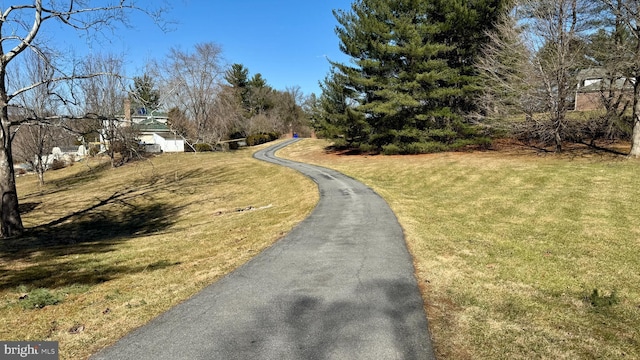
x=558 y=122
x=635 y=137
x=10 y=221
x=39 y=166
x=557 y=139
x=40 y=173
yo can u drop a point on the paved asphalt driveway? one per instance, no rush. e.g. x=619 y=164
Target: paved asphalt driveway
x=339 y=286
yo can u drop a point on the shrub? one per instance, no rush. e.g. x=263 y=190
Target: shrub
x=424 y=147
x=340 y=144
x=482 y=142
x=257 y=139
x=391 y=149
x=252 y=140
x=367 y=148
x=203 y=147
x=237 y=135
x=57 y=164
x=94 y=150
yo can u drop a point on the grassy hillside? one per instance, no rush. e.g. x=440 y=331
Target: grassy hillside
x=519 y=256
x=508 y=248
x=109 y=249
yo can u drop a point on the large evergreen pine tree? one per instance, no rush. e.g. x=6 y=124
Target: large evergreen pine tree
x=238 y=78
x=144 y=95
x=333 y=114
x=412 y=68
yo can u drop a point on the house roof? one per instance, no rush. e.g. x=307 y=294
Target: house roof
x=591 y=74
x=597 y=79
x=151 y=124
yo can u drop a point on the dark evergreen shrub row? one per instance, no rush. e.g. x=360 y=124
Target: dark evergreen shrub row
x=261 y=138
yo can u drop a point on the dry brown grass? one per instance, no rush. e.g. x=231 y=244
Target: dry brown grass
x=509 y=246
x=120 y=246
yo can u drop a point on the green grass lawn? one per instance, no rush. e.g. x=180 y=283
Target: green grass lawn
x=109 y=249
x=509 y=248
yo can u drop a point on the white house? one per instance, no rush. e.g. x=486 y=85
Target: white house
x=155 y=131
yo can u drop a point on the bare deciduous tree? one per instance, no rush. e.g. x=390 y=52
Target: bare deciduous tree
x=627 y=15
x=510 y=81
x=191 y=81
x=555 y=30
x=178 y=122
x=294 y=117
x=104 y=97
x=530 y=63
x=226 y=117
x=33 y=138
x=20 y=29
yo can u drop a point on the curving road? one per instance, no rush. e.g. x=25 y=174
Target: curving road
x=339 y=286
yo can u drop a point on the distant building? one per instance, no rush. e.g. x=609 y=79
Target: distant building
x=156 y=135
x=153 y=131
x=65 y=154
x=593 y=84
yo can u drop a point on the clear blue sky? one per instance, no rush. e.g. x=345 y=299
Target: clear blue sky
x=287 y=41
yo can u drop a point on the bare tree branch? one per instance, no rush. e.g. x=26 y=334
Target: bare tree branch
x=21 y=28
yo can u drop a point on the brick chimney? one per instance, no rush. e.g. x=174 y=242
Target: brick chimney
x=127 y=112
